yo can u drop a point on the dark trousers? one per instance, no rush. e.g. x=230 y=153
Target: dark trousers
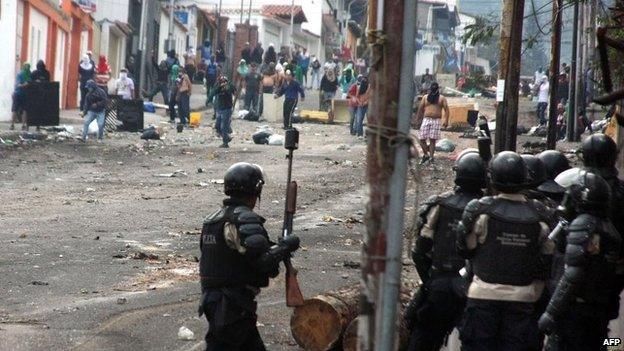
x=437 y=315
x=184 y=107
x=251 y=101
x=83 y=94
x=172 y=104
x=159 y=87
x=210 y=82
x=541 y=112
x=582 y=327
x=289 y=108
x=490 y=325
x=231 y=322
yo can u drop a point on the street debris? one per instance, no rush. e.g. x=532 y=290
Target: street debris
x=351 y=264
x=39 y=282
x=150 y=133
x=186 y=334
x=144 y=256
x=276 y=140
x=445 y=145
x=343 y=147
x=178 y=173
x=261 y=137
x=147 y=197
x=122 y=300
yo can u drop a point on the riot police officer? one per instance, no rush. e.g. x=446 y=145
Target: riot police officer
x=505 y=237
x=237 y=259
x=578 y=312
x=599 y=153
x=554 y=162
x=537 y=177
x=442 y=296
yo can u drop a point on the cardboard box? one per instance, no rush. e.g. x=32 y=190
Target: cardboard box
x=340 y=107
x=273 y=109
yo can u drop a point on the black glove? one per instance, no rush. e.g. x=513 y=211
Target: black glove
x=290 y=243
x=547 y=323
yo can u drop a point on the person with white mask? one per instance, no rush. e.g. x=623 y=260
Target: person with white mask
x=124 y=85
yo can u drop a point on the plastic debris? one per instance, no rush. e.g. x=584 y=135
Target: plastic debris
x=445 y=145
x=186 y=334
x=276 y=140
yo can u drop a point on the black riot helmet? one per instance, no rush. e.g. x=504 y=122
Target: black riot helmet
x=587 y=193
x=508 y=172
x=243 y=179
x=599 y=151
x=470 y=171
x=537 y=170
x=555 y=163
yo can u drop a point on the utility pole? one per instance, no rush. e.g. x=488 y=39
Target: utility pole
x=292 y=26
x=242 y=10
x=170 y=45
x=579 y=107
x=511 y=45
x=218 y=43
x=249 y=14
x=143 y=46
x=570 y=131
x=555 y=52
x=391 y=79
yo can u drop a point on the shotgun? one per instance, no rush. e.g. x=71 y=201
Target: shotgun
x=293 y=293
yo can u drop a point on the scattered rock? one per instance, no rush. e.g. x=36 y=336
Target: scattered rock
x=120 y=255
x=90 y=190
x=343 y=147
x=22 y=236
x=96 y=238
x=39 y=282
x=121 y=300
x=345 y=276
x=445 y=145
x=144 y=256
x=351 y=264
x=186 y=334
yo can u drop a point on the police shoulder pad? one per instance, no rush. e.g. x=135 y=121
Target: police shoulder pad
x=245 y=215
x=216 y=216
x=583 y=225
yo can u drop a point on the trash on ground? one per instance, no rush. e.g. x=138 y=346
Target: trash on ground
x=39 y=282
x=351 y=264
x=144 y=256
x=343 y=147
x=150 y=133
x=445 y=145
x=261 y=137
x=178 y=173
x=121 y=300
x=216 y=181
x=185 y=333
x=276 y=140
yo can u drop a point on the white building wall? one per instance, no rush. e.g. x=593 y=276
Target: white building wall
x=38 y=37
x=179 y=37
x=8 y=59
x=113 y=10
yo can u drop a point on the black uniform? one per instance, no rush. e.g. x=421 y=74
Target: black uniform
x=443 y=294
x=237 y=259
x=582 y=305
x=506 y=239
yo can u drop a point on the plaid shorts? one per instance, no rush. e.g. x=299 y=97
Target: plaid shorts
x=430 y=128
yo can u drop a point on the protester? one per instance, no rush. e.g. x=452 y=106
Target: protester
x=41 y=74
x=252 y=85
x=103 y=73
x=329 y=86
x=246 y=53
x=296 y=70
x=172 y=60
x=542 y=100
x=86 y=71
x=206 y=51
x=90 y=55
x=95 y=106
x=173 y=91
x=352 y=103
x=304 y=60
x=316 y=73
x=363 y=94
x=242 y=71
x=561 y=122
x=189 y=66
x=211 y=77
x=430 y=112
x=224 y=93
x=269 y=77
x=539 y=75
x=291 y=89
x=18 y=108
x=279 y=76
x=563 y=86
x=161 y=85
x=185 y=88
x=425 y=81
x=220 y=54
x=256 y=54
x=346 y=80
x=124 y=86
x=270 y=55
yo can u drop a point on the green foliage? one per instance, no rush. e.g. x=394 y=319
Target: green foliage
x=482 y=31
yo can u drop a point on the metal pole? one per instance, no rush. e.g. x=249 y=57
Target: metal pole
x=292 y=25
x=555 y=50
x=394 y=252
x=143 y=45
x=249 y=13
x=242 y=10
x=512 y=82
x=570 y=132
x=216 y=45
x=578 y=92
x=171 y=46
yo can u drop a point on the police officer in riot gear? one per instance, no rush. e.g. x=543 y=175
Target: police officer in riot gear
x=599 y=153
x=442 y=296
x=537 y=177
x=578 y=312
x=505 y=237
x=554 y=162
x=237 y=259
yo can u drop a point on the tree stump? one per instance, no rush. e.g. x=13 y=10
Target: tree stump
x=318 y=325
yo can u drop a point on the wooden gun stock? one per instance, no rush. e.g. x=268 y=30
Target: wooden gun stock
x=294 y=297
x=291 y=205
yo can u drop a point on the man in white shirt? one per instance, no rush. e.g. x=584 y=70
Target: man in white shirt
x=124 y=85
x=542 y=100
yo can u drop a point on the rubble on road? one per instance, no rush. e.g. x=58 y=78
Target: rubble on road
x=186 y=334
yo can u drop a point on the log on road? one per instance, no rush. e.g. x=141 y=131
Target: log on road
x=328 y=321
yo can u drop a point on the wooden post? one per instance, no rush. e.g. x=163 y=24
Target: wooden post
x=555 y=52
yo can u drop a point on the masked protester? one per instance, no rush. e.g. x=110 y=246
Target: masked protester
x=162 y=82
x=291 y=89
x=237 y=259
x=505 y=237
x=579 y=311
x=438 y=305
x=95 y=105
x=18 y=107
x=125 y=85
x=86 y=71
x=185 y=89
x=224 y=92
x=429 y=117
x=173 y=91
x=40 y=74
